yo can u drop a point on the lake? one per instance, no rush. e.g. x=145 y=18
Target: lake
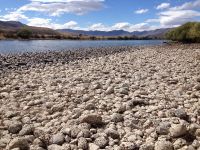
x=16 y=46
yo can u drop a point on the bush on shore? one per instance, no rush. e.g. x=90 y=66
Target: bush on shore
x=187 y=33
x=24 y=33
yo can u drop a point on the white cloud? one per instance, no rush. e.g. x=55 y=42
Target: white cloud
x=141 y=11
x=121 y=26
x=63 y=1
x=163 y=6
x=14 y=16
x=98 y=26
x=58 y=7
x=42 y=22
x=175 y=18
x=188 y=5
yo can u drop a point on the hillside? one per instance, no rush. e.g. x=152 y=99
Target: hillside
x=187 y=33
x=158 y=33
x=97 y=33
x=15 y=30
x=10 y=29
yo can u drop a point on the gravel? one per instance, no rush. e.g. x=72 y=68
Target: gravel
x=120 y=98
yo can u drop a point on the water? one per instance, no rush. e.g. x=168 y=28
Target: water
x=16 y=46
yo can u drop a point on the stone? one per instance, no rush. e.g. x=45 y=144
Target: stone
x=67 y=139
x=58 y=139
x=123 y=91
x=84 y=133
x=163 y=128
x=110 y=90
x=82 y=143
x=116 y=117
x=38 y=142
x=66 y=131
x=132 y=138
x=74 y=131
x=93 y=146
x=163 y=145
x=177 y=130
x=55 y=147
x=102 y=142
x=112 y=133
x=15 y=127
x=180 y=113
x=127 y=146
x=27 y=130
x=197 y=87
x=10 y=114
x=90 y=106
x=146 y=146
x=179 y=143
x=20 y=143
x=93 y=119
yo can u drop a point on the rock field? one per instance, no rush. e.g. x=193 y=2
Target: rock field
x=144 y=98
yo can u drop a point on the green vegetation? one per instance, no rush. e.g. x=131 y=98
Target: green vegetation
x=24 y=33
x=187 y=33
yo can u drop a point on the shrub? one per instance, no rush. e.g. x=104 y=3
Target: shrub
x=189 y=32
x=24 y=33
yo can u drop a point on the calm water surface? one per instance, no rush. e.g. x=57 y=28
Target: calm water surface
x=16 y=46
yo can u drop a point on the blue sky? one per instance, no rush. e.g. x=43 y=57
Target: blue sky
x=129 y=15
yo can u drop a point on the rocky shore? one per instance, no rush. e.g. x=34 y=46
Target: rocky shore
x=125 y=98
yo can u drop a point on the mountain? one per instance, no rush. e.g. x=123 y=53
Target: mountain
x=158 y=33
x=96 y=33
x=9 y=29
x=11 y=25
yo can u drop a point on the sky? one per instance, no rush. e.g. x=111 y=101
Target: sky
x=104 y=15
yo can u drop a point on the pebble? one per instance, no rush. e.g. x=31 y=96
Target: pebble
x=93 y=119
x=15 y=127
x=20 y=143
x=102 y=142
x=82 y=143
x=163 y=145
x=116 y=98
x=58 y=139
x=177 y=130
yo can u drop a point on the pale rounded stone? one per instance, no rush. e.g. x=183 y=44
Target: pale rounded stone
x=177 y=130
x=163 y=145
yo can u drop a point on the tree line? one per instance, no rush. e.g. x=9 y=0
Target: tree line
x=187 y=33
